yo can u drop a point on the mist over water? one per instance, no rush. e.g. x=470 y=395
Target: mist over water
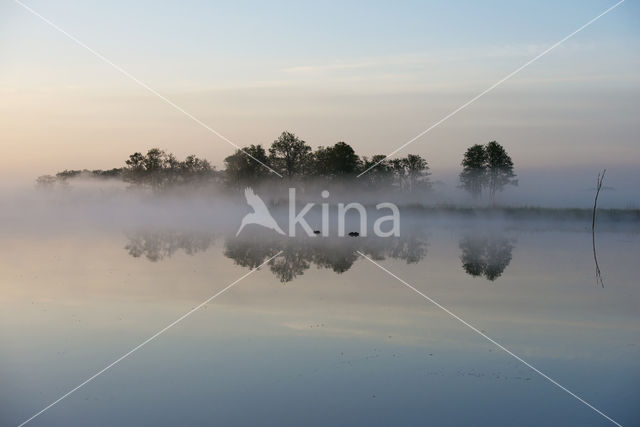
x=566 y=187
x=110 y=203
x=90 y=270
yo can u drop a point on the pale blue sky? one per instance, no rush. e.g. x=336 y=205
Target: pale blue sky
x=371 y=73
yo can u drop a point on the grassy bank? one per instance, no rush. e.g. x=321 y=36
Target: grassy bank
x=527 y=213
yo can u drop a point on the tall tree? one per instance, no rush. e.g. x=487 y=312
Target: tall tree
x=474 y=170
x=193 y=168
x=241 y=169
x=499 y=169
x=382 y=174
x=487 y=166
x=412 y=172
x=290 y=155
x=134 y=171
x=340 y=160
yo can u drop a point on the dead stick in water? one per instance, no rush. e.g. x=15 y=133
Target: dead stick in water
x=595 y=202
x=593 y=227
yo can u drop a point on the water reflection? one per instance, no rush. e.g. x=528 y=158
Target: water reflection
x=481 y=255
x=156 y=245
x=486 y=256
x=337 y=254
x=298 y=254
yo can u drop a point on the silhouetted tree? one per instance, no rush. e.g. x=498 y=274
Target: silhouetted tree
x=499 y=169
x=193 y=168
x=241 y=168
x=380 y=175
x=487 y=166
x=67 y=174
x=160 y=170
x=412 y=172
x=111 y=173
x=290 y=155
x=474 y=170
x=85 y=173
x=337 y=161
x=135 y=170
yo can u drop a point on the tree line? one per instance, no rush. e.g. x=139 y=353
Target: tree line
x=484 y=168
x=292 y=157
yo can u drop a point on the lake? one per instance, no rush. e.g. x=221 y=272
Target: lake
x=321 y=335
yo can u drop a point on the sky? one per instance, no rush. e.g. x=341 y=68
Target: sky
x=373 y=74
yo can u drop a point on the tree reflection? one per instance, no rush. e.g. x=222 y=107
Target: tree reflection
x=482 y=255
x=299 y=254
x=486 y=256
x=156 y=245
x=335 y=253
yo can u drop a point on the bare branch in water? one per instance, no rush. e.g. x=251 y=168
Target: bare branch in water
x=595 y=202
x=593 y=227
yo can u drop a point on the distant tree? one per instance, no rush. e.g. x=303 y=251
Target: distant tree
x=487 y=166
x=170 y=172
x=193 y=169
x=290 y=155
x=321 y=159
x=46 y=181
x=160 y=170
x=241 y=168
x=155 y=160
x=135 y=170
x=110 y=173
x=337 y=161
x=398 y=172
x=345 y=161
x=499 y=169
x=234 y=168
x=412 y=172
x=382 y=174
x=85 y=173
x=474 y=170
x=66 y=174
x=154 y=164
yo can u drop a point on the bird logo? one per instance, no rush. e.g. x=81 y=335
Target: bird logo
x=260 y=214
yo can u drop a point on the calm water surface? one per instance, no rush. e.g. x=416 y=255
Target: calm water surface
x=320 y=336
